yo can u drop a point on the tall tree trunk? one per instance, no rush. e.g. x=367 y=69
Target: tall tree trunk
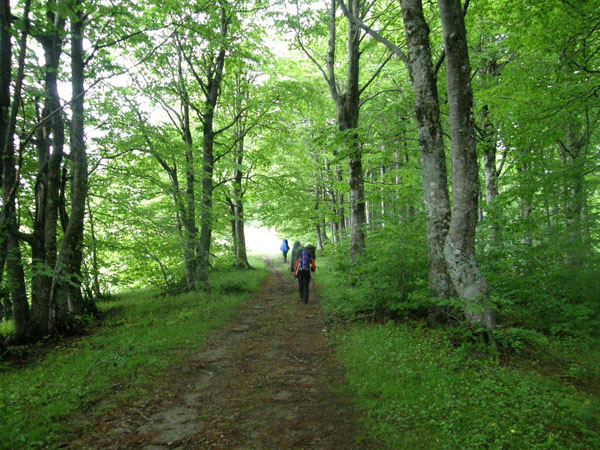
x=368 y=208
x=50 y=155
x=187 y=205
x=5 y=78
x=383 y=196
x=433 y=158
x=351 y=110
x=347 y=106
x=459 y=250
x=492 y=173
x=66 y=291
x=573 y=153
x=317 y=219
x=241 y=257
x=333 y=203
x=95 y=270
x=10 y=184
x=213 y=87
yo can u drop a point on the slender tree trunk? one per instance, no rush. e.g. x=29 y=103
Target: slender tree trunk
x=241 y=257
x=188 y=206
x=368 y=209
x=66 y=291
x=574 y=193
x=204 y=242
x=351 y=110
x=459 y=250
x=213 y=87
x=333 y=203
x=491 y=176
x=95 y=270
x=433 y=158
x=5 y=78
x=50 y=155
x=318 y=223
x=241 y=254
x=347 y=105
x=383 y=197
x=10 y=183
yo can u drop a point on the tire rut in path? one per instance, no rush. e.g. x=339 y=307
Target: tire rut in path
x=266 y=380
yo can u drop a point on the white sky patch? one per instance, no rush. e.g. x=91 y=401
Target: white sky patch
x=261 y=240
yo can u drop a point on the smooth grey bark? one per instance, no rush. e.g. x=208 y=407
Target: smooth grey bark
x=5 y=79
x=188 y=206
x=433 y=160
x=348 y=108
x=50 y=145
x=316 y=204
x=5 y=75
x=573 y=154
x=432 y=152
x=459 y=249
x=95 y=269
x=336 y=226
x=241 y=125
x=347 y=115
x=10 y=183
x=492 y=172
x=384 y=208
x=214 y=77
x=66 y=299
x=368 y=209
x=241 y=257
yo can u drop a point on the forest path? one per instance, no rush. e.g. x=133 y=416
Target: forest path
x=266 y=380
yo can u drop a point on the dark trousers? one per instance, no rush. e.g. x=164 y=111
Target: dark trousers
x=284 y=256
x=303 y=284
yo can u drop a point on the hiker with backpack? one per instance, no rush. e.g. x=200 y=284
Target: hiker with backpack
x=284 y=249
x=305 y=264
x=295 y=254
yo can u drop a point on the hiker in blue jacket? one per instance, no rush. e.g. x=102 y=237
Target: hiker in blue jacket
x=284 y=249
x=305 y=264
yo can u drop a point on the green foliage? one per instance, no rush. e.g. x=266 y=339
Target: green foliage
x=6 y=327
x=537 y=290
x=417 y=391
x=517 y=339
x=142 y=336
x=388 y=281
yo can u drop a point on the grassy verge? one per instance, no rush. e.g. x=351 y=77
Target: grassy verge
x=418 y=390
x=143 y=336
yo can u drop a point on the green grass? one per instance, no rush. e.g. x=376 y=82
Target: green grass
x=6 y=327
x=143 y=337
x=417 y=390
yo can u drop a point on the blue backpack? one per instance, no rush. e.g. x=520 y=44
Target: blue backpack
x=304 y=260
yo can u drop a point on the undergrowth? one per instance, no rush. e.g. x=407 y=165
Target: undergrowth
x=143 y=335
x=439 y=387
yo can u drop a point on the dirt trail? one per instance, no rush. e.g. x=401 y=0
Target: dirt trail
x=267 y=380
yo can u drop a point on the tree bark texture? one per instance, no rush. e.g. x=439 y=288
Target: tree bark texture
x=459 y=249
x=241 y=257
x=5 y=78
x=492 y=174
x=213 y=87
x=433 y=157
x=51 y=140
x=10 y=183
x=347 y=106
x=188 y=206
x=66 y=291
